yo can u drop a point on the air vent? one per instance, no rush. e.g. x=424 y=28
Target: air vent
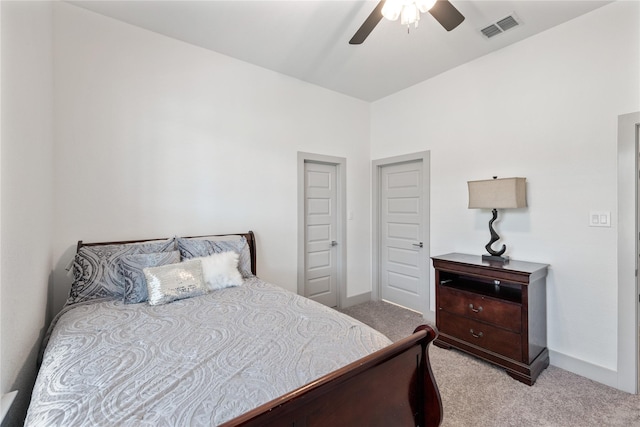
x=491 y=30
x=500 y=26
x=507 y=23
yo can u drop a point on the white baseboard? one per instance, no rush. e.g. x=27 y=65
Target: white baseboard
x=585 y=369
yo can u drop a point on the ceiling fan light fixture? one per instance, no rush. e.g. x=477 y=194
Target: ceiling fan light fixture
x=407 y=10
x=425 y=5
x=442 y=10
x=391 y=9
x=410 y=14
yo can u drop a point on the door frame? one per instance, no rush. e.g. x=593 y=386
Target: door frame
x=341 y=188
x=376 y=169
x=628 y=251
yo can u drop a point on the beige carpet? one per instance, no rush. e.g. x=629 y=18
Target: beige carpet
x=475 y=393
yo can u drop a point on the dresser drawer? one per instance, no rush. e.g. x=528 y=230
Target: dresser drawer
x=503 y=314
x=494 y=339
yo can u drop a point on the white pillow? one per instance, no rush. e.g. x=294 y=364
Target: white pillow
x=220 y=270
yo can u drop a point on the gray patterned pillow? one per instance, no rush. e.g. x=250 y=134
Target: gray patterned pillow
x=96 y=269
x=201 y=247
x=173 y=282
x=135 y=284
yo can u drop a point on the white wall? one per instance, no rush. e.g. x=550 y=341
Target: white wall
x=26 y=193
x=545 y=109
x=150 y=134
x=156 y=137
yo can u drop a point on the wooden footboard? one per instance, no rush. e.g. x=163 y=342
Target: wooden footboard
x=391 y=387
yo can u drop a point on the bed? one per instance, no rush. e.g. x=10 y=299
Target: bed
x=241 y=352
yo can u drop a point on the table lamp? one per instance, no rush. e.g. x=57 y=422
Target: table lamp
x=494 y=194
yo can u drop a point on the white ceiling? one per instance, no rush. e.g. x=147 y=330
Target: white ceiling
x=308 y=39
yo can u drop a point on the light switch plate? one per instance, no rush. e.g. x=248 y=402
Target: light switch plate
x=599 y=219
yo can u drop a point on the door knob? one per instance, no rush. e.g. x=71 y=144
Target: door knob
x=418 y=244
x=334 y=243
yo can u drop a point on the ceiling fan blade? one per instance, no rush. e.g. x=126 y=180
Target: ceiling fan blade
x=368 y=25
x=446 y=14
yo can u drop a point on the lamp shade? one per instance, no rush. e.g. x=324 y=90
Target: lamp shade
x=503 y=193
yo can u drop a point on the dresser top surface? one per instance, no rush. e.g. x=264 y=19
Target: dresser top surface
x=476 y=260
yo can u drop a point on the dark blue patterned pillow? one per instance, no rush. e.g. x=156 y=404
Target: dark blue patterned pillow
x=202 y=246
x=96 y=269
x=135 y=283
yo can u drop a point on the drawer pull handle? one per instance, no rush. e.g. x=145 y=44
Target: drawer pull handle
x=475 y=310
x=478 y=335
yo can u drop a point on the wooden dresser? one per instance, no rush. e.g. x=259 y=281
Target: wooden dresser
x=494 y=311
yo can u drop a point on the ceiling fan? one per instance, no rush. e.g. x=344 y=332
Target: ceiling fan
x=444 y=12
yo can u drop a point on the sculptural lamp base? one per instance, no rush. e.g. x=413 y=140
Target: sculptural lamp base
x=496 y=259
x=494 y=256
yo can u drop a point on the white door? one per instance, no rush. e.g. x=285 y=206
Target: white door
x=403 y=269
x=321 y=254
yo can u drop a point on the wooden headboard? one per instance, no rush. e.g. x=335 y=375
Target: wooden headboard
x=251 y=240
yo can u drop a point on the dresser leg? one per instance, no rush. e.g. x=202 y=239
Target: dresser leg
x=534 y=370
x=441 y=344
x=520 y=377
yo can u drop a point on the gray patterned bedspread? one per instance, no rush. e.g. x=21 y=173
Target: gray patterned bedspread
x=199 y=361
